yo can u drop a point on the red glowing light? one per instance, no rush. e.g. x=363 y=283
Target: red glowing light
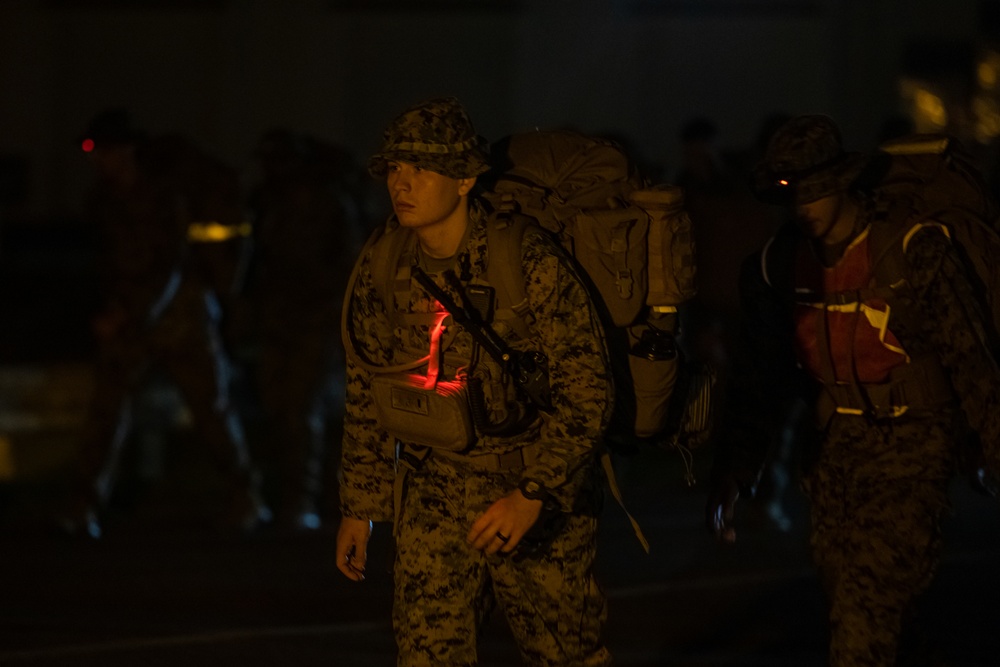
x=88 y=145
x=782 y=182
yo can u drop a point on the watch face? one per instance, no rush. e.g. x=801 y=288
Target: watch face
x=531 y=489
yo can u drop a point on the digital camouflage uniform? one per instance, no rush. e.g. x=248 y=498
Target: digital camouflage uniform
x=877 y=484
x=444 y=587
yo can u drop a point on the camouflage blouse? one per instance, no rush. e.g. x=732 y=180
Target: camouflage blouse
x=563 y=325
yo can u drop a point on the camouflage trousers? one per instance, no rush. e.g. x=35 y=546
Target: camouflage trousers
x=445 y=590
x=878 y=493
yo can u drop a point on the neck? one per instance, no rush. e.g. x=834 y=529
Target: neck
x=443 y=239
x=844 y=226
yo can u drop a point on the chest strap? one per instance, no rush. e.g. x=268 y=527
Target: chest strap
x=919 y=385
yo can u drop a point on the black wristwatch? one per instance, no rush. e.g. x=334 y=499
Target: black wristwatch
x=533 y=490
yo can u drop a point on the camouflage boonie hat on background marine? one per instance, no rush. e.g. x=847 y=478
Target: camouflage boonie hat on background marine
x=805 y=161
x=436 y=135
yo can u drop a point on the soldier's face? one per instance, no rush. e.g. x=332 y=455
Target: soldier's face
x=817 y=218
x=422 y=198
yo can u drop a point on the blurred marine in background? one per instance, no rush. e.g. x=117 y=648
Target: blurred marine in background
x=172 y=226
x=307 y=231
x=864 y=307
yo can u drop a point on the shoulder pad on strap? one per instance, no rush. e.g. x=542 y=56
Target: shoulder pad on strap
x=504 y=237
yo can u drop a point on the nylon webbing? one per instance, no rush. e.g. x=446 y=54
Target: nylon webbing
x=609 y=471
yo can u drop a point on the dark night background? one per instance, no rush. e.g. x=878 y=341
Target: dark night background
x=223 y=72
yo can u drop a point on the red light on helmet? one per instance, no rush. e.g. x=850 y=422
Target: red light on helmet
x=87 y=145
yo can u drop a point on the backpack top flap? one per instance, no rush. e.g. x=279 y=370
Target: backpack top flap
x=936 y=171
x=554 y=174
x=932 y=178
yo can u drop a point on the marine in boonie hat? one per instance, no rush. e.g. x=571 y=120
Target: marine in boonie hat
x=436 y=135
x=805 y=161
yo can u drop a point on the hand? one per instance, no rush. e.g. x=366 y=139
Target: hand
x=719 y=509
x=510 y=517
x=352 y=547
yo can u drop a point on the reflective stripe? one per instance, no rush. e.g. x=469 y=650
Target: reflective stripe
x=763 y=261
x=215 y=232
x=920 y=225
x=897 y=411
x=934 y=146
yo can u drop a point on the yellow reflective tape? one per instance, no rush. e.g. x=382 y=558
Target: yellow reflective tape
x=920 y=225
x=897 y=411
x=215 y=232
x=936 y=146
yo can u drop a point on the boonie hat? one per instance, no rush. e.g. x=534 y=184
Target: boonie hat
x=436 y=135
x=805 y=161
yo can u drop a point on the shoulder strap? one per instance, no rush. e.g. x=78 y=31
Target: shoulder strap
x=385 y=247
x=886 y=237
x=504 y=236
x=387 y=251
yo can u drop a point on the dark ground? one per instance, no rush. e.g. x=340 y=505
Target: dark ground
x=164 y=587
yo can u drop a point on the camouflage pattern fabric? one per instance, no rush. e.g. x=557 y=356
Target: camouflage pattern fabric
x=878 y=487
x=877 y=496
x=436 y=135
x=565 y=329
x=440 y=503
x=805 y=161
x=552 y=602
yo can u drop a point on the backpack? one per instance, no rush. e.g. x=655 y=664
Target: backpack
x=633 y=247
x=932 y=177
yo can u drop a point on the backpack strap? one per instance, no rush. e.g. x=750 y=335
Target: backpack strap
x=386 y=245
x=504 y=237
x=390 y=274
x=894 y=224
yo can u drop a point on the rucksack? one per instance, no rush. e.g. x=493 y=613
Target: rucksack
x=633 y=246
x=931 y=177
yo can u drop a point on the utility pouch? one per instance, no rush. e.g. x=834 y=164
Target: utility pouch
x=610 y=246
x=672 y=265
x=653 y=364
x=437 y=417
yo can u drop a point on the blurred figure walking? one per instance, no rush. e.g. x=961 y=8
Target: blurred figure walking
x=171 y=227
x=307 y=231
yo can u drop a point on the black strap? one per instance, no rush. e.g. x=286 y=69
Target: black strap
x=529 y=370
